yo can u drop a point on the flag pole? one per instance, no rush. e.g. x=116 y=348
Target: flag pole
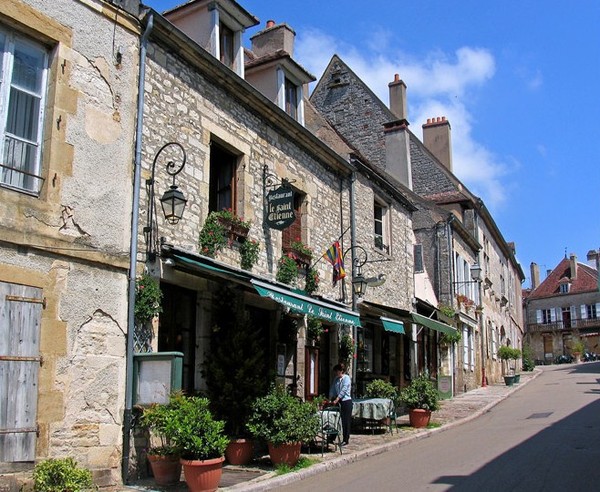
x=321 y=257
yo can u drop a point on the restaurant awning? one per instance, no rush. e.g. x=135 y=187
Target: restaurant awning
x=392 y=325
x=432 y=323
x=306 y=305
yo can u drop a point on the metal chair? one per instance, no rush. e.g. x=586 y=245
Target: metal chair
x=392 y=417
x=331 y=428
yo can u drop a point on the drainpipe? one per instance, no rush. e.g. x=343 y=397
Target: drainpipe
x=352 y=245
x=127 y=413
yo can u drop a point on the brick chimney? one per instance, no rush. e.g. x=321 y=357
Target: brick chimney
x=398 y=98
x=436 y=138
x=535 y=275
x=593 y=258
x=272 y=38
x=573 y=262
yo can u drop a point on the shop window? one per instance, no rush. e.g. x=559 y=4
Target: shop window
x=418 y=255
x=23 y=75
x=223 y=165
x=365 y=350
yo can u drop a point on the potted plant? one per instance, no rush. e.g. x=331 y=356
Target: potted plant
x=287 y=269
x=378 y=388
x=516 y=355
x=505 y=353
x=219 y=229
x=312 y=281
x=577 y=348
x=284 y=422
x=235 y=371
x=162 y=454
x=249 y=250
x=421 y=397
x=314 y=329
x=200 y=439
x=299 y=251
x=147 y=299
x=346 y=348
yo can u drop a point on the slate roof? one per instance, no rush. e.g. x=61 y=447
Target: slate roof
x=586 y=281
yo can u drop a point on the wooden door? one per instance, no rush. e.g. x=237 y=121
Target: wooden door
x=20 y=317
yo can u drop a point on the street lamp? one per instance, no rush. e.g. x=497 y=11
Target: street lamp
x=172 y=202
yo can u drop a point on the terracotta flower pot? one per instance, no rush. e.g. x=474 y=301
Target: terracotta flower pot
x=203 y=475
x=288 y=453
x=166 y=469
x=239 y=451
x=419 y=417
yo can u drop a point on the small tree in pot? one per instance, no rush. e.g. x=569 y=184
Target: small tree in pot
x=200 y=438
x=506 y=353
x=284 y=422
x=421 y=398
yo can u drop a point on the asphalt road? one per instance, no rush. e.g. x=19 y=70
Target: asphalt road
x=545 y=437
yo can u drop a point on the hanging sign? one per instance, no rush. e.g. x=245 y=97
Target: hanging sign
x=280 y=208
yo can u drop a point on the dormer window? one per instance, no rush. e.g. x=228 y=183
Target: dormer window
x=291 y=98
x=226 y=45
x=564 y=286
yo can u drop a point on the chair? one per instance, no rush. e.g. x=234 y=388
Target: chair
x=392 y=416
x=331 y=428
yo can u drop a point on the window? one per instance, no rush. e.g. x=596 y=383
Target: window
x=295 y=232
x=468 y=348
x=380 y=220
x=223 y=164
x=23 y=73
x=564 y=287
x=591 y=311
x=547 y=316
x=291 y=98
x=365 y=349
x=418 y=255
x=226 y=45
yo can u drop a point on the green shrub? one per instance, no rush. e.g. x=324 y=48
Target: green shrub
x=528 y=361
x=378 y=388
x=61 y=475
x=420 y=393
x=281 y=418
x=155 y=418
x=192 y=428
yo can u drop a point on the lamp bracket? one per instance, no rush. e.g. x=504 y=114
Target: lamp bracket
x=271 y=180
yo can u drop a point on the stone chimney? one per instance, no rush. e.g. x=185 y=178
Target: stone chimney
x=398 y=98
x=573 y=262
x=535 y=275
x=593 y=258
x=436 y=138
x=272 y=38
x=397 y=137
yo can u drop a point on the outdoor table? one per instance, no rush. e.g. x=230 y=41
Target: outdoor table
x=371 y=408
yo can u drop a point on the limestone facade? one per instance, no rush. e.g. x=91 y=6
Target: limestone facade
x=70 y=239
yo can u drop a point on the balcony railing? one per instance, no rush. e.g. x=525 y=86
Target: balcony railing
x=574 y=324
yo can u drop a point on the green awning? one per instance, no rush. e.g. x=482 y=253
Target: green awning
x=392 y=325
x=432 y=323
x=307 y=305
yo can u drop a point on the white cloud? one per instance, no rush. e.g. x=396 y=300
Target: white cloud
x=441 y=84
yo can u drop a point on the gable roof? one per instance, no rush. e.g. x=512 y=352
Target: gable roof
x=586 y=281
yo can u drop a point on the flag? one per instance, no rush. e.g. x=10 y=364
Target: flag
x=334 y=256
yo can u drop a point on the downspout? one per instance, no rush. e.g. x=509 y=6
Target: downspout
x=127 y=413
x=352 y=245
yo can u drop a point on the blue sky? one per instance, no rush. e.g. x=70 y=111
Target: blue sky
x=517 y=80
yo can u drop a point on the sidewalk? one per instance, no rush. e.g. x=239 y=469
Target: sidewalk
x=458 y=410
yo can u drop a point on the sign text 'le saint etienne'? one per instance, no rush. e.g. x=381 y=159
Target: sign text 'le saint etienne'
x=280 y=208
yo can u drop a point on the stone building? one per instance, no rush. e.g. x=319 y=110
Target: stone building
x=68 y=112
x=455 y=234
x=562 y=308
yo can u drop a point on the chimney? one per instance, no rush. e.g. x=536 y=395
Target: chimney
x=436 y=138
x=573 y=261
x=535 y=275
x=397 y=137
x=273 y=38
x=592 y=258
x=398 y=98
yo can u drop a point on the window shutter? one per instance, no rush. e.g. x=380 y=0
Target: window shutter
x=583 y=312
x=558 y=315
x=597 y=309
x=538 y=315
x=573 y=313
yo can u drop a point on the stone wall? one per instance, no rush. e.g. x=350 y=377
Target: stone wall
x=72 y=240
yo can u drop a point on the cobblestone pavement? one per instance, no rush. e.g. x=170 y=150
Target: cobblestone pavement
x=462 y=408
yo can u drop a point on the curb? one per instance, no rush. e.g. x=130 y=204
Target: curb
x=271 y=481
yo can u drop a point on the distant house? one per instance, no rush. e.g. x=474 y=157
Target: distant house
x=563 y=308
